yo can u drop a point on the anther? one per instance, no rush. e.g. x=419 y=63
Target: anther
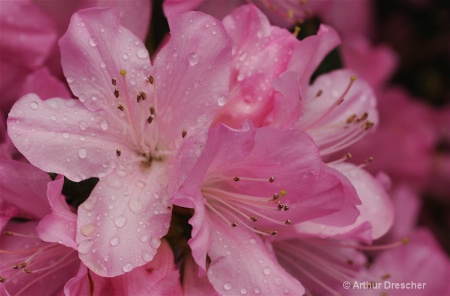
x=271 y=179
x=280 y=206
x=20 y=265
x=287 y=222
x=276 y=196
x=386 y=276
x=8 y=233
x=283 y=192
x=118 y=152
x=152 y=110
x=116 y=92
x=141 y=96
x=290 y=13
x=150 y=118
x=183 y=134
x=26 y=270
x=120 y=107
x=368 y=160
x=348 y=155
x=351 y=118
x=405 y=240
x=286 y=207
x=151 y=79
x=114 y=81
x=368 y=125
x=2 y=279
x=364 y=116
x=254 y=219
x=234 y=224
x=296 y=31
x=319 y=93
x=123 y=72
x=237 y=179
x=273 y=232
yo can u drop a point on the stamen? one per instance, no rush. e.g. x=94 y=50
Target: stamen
x=114 y=81
x=183 y=134
x=141 y=96
x=118 y=153
x=234 y=224
x=351 y=118
x=2 y=279
x=116 y=92
x=319 y=93
x=296 y=31
x=120 y=107
x=151 y=79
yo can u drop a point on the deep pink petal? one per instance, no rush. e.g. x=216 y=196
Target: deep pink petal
x=241 y=264
x=45 y=85
x=193 y=284
x=7 y=211
x=310 y=52
x=94 y=50
x=158 y=277
x=10 y=85
x=192 y=75
x=62 y=136
x=23 y=43
x=178 y=6
x=25 y=187
x=61 y=225
x=121 y=223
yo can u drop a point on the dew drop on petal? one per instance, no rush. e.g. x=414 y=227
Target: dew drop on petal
x=34 y=105
x=82 y=153
x=142 y=53
x=70 y=102
x=87 y=230
x=106 y=258
x=155 y=242
x=257 y=290
x=102 y=64
x=127 y=267
x=53 y=117
x=120 y=221
x=85 y=246
x=221 y=101
x=244 y=291
x=194 y=58
x=70 y=79
x=143 y=238
x=214 y=32
x=147 y=256
x=227 y=286
x=267 y=271
x=135 y=205
x=104 y=125
x=114 y=241
x=92 y=42
x=65 y=135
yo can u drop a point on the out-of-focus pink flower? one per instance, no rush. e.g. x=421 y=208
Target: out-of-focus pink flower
x=242 y=188
x=128 y=122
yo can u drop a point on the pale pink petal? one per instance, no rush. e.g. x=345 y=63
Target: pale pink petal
x=61 y=225
x=193 y=284
x=121 y=223
x=287 y=105
x=310 y=52
x=23 y=43
x=376 y=210
x=158 y=277
x=25 y=187
x=191 y=75
x=241 y=264
x=83 y=144
x=94 y=50
x=261 y=53
x=334 y=117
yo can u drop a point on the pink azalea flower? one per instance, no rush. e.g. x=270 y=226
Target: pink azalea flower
x=242 y=188
x=129 y=121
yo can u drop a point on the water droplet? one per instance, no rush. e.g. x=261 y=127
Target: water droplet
x=120 y=221
x=244 y=291
x=34 y=105
x=147 y=256
x=114 y=241
x=82 y=138
x=257 y=290
x=102 y=30
x=87 y=230
x=221 y=101
x=214 y=32
x=92 y=42
x=65 y=135
x=156 y=195
x=227 y=286
x=83 y=125
x=70 y=102
x=125 y=56
x=278 y=281
x=85 y=246
x=103 y=64
x=106 y=258
x=104 y=125
x=194 y=58
x=82 y=153
x=127 y=267
x=143 y=238
x=141 y=184
x=240 y=77
x=135 y=205
x=155 y=242
x=53 y=117
x=121 y=172
x=267 y=270
x=252 y=241
x=142 y=53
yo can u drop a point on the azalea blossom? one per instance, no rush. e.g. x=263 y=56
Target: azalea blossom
x=124 y=129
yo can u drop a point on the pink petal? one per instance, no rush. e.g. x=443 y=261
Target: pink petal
x=25 y=187
x=62 y=136
x=287 y=103
x=7 y=211
x=171 y=7
x=94 y=50
x=194 y=285
x=261 y=53
x=23 y=43
x=45 y=85
x=191 y=75
x=10 y=85
x=241 y=264
x=120 y=225
x=158 y=277
x=310 y=52
x=60 y=226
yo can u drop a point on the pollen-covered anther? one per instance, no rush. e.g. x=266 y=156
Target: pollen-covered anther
x=20 y=265
x=405 y=240
x=118 y=153
x=183 y=134
x=286 y=207
x=271 y=179
x=283 y=192
x=151 y=79
x=2 y=279
x=116 y=92
x=26 y=270
x=273 y=232
x=368 y=160
x=120 y=107
x=8 y=233
x=351 y=118
x=348 y=155
x=141 y=96
x=281 y=206
x=150 y=118
x=114 y=81
x=254 y=219
x=276 y=196
x=367 y=125
x=123 y=72
x=234 y=224
x=236 y=179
